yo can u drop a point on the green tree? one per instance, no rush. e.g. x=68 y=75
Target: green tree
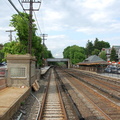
x=66 y=52
x=113 y=56
x=74 y=53
x=103 y=55
x=89 y=48
x=1 y=53
x=100 y=44
x=95 y=52
x=21 y=45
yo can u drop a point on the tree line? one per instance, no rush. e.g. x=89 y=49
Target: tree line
x=78 y=54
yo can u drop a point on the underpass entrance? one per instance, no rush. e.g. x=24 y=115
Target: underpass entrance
x=67 y=61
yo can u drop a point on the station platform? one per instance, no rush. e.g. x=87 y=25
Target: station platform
x=10 y=100
x=44 y=70
x=114 y=77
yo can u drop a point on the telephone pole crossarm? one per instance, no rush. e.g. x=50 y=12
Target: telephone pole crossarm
x=43 y=38
x=10 y=33
x=32 y=1
x=31 y=9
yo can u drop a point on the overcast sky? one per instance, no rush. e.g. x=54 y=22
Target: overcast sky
x=69 y=22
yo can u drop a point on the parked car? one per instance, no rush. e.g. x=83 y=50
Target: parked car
x=3 y=70
x=118 y=70
x=108 y=70
x=114 y=69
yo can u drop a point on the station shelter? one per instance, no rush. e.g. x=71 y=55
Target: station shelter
x=93 y=63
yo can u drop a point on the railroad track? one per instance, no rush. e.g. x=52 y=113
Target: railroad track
x=51 y=102
x=111 y=89
x=52 y=107
x=104 y=108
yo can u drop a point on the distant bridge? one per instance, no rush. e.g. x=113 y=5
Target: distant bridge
x=59 y=60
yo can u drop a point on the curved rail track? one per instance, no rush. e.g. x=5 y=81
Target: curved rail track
x=106 y=108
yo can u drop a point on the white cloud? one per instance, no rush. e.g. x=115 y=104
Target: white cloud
x=97 y=4
x=69 y=22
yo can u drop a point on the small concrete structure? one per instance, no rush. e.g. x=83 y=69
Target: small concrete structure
x=21 y=70
x=59 y=60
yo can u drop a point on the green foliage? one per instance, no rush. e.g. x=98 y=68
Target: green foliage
x=46 y=53
x=1 y=56
x=94 y=49
x=21 y=26
x=113 y=56
x=1 y=53
x=77 y=54
x=21 y=45
x=95 y=52
x=100 y=44
x=89 y=48
x=14 y=48
x=74 y=53
x=103 y=55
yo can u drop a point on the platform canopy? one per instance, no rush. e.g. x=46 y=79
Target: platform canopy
x=93 y=60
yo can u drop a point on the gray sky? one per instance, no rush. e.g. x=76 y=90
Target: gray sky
x=70 y=22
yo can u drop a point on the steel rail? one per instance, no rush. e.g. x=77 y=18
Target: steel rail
x=97 y=107
x=61 y=101
x=44 y=98
x=79 y=115
x=94 y=85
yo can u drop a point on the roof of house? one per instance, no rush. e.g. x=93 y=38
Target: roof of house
x=93 y=60
x=116 y=47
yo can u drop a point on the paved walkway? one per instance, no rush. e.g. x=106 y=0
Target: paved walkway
x=111 y=75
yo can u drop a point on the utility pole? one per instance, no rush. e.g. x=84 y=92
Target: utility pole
x=10 y=33
x=31 y=2
x=43 y=38
x=43 y=56
x=31 y=9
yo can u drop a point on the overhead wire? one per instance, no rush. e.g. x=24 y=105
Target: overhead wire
x=18 y=12
x=37 y=20
x=37 y=23
x=25 y=12
x=21 y=6
x=34 y=16
x=9 y=5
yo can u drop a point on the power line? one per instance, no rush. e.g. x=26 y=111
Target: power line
x=37 y=23
x=18 y=11
x=14 y=6
x=21 y=6
x=30 y=18
x=34 y=15
x=9 y=6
